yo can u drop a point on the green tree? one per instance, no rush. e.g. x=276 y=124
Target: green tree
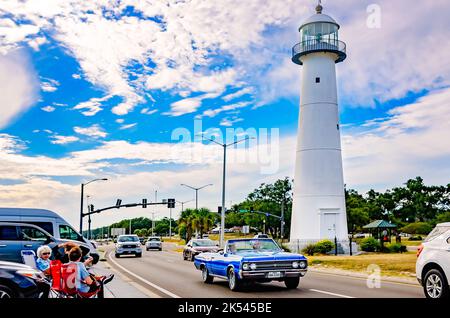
x=358 y=210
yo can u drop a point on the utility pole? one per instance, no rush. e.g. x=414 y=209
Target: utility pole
x=196 y=192
x=222 y=216
x=153 y=223
x=82 y=198
x=130 y=226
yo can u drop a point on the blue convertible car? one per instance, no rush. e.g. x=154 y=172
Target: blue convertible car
x=258 y=260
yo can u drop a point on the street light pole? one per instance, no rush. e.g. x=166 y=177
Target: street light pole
x=183 y=203
x=82 y=201
x=196 y=192
x=222 y=216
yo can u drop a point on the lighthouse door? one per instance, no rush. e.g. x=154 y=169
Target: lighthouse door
x=329 y=224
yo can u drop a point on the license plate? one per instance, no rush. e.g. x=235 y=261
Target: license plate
x=274 y=275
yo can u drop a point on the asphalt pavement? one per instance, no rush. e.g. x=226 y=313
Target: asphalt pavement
x=166 y=274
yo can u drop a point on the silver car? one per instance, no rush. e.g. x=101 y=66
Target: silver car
x=153 y=242
x=128 y=244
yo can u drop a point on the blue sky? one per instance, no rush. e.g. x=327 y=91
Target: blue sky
x=97 y=88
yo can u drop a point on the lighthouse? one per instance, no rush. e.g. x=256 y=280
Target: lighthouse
x=318 y=210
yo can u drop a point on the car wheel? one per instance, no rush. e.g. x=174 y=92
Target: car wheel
x=292 y=282
x=139 y=255
x=6 y=292
x=117 y=255
x=184 y=256
x=160 y=248
x=233 y=282
x=435 y=285
x=192 y=257
x=207 y=279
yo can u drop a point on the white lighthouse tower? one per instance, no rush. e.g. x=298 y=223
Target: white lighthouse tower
x=318 y=210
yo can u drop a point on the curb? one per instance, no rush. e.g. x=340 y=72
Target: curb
x=387 y=279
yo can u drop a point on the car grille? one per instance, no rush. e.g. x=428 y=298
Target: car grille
x=273 y=265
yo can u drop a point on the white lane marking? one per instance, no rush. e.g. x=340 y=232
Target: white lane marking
x=332 y=294
x=164 y=291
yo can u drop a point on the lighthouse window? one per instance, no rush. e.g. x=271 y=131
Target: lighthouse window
x=317 y=79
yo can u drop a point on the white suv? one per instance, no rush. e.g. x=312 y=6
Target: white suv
x=433 y=262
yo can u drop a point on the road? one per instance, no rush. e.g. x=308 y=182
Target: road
x=168 y=275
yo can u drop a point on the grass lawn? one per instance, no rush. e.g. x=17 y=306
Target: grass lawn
x=403 y=265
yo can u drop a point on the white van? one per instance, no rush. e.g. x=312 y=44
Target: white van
x=49 y=221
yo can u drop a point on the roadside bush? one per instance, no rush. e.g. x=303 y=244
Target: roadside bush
x=370 y=244
x=416 y=238
x=396 y=248
x=417 y=228
x=324 y=247
x=309 y=249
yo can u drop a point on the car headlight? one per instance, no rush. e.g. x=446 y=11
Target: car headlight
x=245 y=267
x=138 y=245
x=295 y=264
x=119 y=245
x=302 y=264
x=253 y=266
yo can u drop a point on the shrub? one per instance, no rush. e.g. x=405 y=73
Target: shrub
x=396 y=248
x=309 y=249
x=370 y=244
x=324 y=247
x=417 y=228
x=416 y=238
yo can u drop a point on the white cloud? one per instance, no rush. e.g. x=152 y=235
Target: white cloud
x=123 y=127
x=18 y=86
x=93 y=131
x=93 y=105
x=147 y=111
x=229 y=122
x=231 y=107
x=48 y=109
x=49 y=85
x=62 y=140
x=239 y=93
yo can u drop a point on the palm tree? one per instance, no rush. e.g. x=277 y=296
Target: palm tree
x=186 y=222
x=203 y=220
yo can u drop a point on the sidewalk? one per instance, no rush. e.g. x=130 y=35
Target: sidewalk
x=121 y=286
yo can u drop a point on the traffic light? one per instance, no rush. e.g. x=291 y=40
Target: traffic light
x=219 y=209
x=144 y=203
x=170 y=203
x=118 y=203
x=91 y=208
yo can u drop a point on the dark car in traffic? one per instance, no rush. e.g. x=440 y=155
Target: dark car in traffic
x=197 y=246
x=21 y=281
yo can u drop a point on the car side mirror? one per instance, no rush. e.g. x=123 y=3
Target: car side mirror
x=48 y=240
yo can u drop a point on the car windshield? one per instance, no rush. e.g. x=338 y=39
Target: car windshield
x=203 y=243
x=154 y=239
x=128 y=239
x=253 y=245
x=436 y=232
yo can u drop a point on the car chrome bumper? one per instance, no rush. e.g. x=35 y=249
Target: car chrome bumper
x=264 y=274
